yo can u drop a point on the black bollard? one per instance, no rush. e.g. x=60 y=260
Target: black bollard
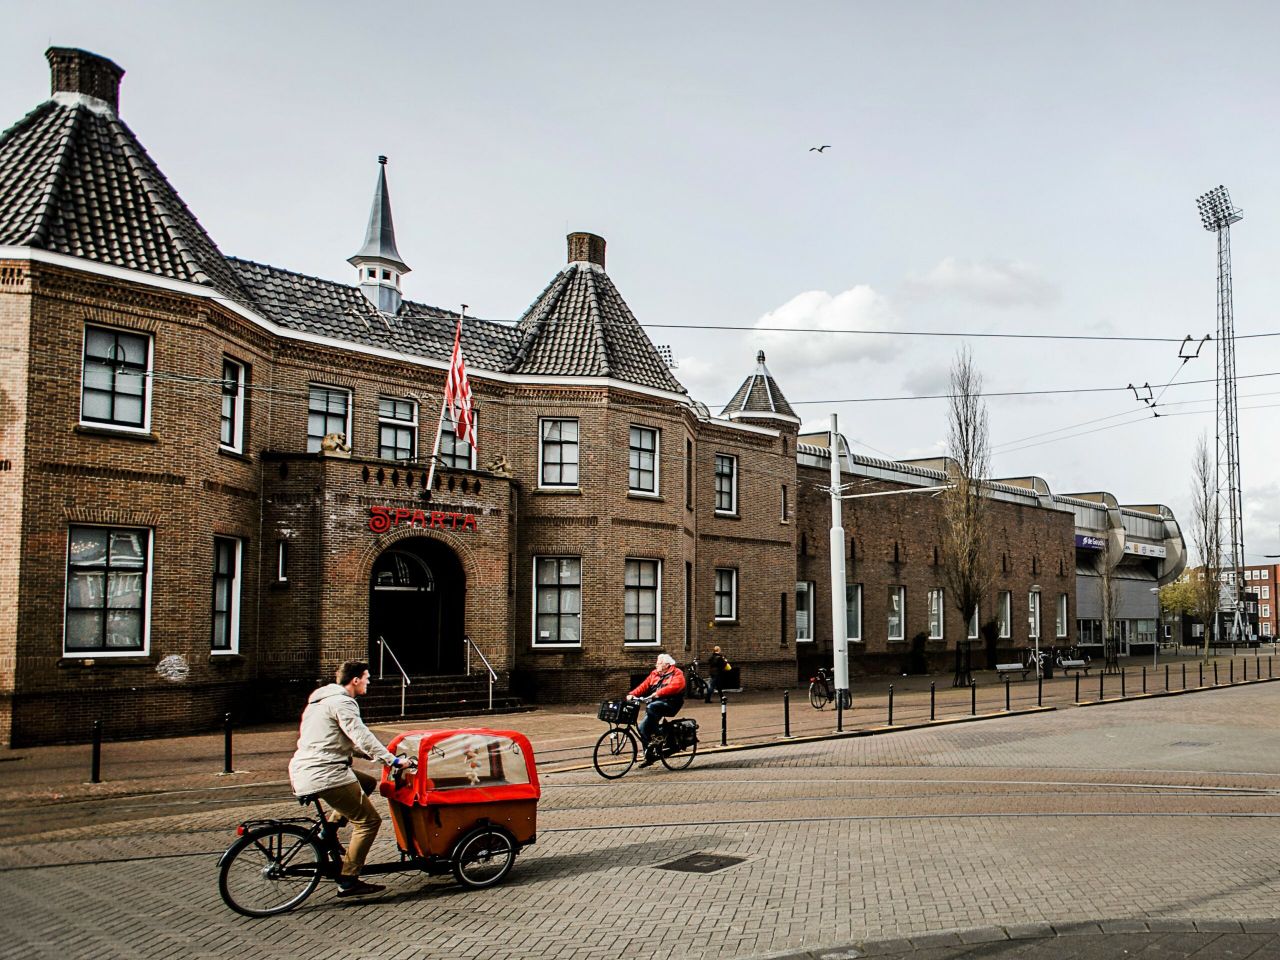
x=95 y=762
x=1166 y=678
x=1144 y=679
x=1215 y=673
x=839 y=713
x=1101 y=684
x=891 y=704
x=1184 y=676
x=1122 y=684
x=933 y=703
x=1231 y=671
x=786 y=713
x=1006 y=694
x=1039 y=691
x=724 y=720
x=1077 y=686
x=226 y=744
x=973 y=698
x=1202 y=673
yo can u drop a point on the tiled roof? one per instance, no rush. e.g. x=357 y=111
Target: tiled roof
x=75 y=180
x=581 y=326
x=759 y=395
x=342 y=312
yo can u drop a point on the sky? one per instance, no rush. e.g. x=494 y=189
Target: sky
x=993 y=168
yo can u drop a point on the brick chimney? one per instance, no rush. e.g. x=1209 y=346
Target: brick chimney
x=79 y=71
x=586 y=247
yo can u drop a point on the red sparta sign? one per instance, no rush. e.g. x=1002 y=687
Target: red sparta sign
x=382 y=519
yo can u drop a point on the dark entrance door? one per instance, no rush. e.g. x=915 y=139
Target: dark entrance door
x=416 y=601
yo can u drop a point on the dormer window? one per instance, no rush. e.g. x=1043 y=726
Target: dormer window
x=386 y=274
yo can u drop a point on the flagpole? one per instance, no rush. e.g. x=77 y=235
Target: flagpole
x=435 y=452
x=444 y=401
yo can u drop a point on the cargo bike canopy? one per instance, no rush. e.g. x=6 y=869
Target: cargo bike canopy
x=463 y=766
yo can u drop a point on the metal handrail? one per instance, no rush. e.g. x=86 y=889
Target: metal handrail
x=470 y=645
x=405 y=682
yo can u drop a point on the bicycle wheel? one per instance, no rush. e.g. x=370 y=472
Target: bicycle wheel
x=681 y=759
x=817 y=696
x=483 y=857
x=615 y=753
x=698 y=686
x=270 y=870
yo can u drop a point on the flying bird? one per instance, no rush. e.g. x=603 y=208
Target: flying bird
x=819 y=149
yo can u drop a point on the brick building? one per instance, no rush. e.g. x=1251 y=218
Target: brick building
x=217 y=478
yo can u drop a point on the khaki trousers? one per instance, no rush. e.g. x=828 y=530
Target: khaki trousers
x=352 y=802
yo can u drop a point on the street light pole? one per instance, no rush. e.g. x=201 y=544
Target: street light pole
x=839 y=625
x=1035 y=590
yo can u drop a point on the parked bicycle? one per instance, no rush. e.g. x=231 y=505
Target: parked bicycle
x=1070 y=654
x=694 y=680
x=675 y=742
x=822 y=691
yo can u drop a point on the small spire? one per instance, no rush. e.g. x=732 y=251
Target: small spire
x=380 y=237
x=760 y=357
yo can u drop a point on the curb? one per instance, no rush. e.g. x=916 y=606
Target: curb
x=1173 y=693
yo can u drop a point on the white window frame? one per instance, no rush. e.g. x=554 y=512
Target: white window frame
x=1033 y=614
x=146 y=377
x=731 y=573
x=805 y=589
x=449 y=435
x=282 y=561
x=632 y=451
x=91 y=653
x=657 y=602
x=975 y=626
x=560 y=587
x=853 y=612
x=732 y=509
x=542 y=454
x=1060 y=617
x=937 y=613
x=1265 y=593
x=901 y=593
x=236 y=398
x=1266 y=629
x=235 y=585
x=397 y=423
x=1004 y=614
x=346 y=432
x=1266 y=609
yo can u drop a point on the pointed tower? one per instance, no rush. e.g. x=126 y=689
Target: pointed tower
x=759 y=400
x=378 y=264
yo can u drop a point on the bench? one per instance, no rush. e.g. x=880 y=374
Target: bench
x=1076 y=665
x=1004 y=669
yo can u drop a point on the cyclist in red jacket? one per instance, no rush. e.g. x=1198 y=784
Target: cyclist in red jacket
x=663 y=693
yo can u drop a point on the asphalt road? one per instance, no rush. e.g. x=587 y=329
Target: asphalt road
x=1143 y=825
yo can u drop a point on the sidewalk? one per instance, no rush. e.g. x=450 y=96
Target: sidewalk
x=563 y=735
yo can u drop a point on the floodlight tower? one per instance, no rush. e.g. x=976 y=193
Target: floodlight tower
x=1217 y=214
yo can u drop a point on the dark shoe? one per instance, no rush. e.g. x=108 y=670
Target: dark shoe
x=358 y=888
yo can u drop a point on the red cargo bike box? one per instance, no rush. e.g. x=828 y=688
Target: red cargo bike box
x=462 y=766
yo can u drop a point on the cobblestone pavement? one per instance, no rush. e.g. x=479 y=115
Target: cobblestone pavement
x=1163 y=812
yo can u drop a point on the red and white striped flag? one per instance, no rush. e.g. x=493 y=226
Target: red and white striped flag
x=457 y=394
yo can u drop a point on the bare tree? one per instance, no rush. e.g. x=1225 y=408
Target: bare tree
x=965 y=556
x=1109 y=595
x=1206 y=537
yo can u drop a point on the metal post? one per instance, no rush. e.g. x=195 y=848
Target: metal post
x=1215 y=673
x=1184 y=676
x=724 y=720
x=973 y=698
x=1039 y=691
x=1166 y=678
x=382 y=655
x=1122 y=693
x=1202 y=673
x=226 y=744
x=1144 y=679
x=786 y=713
x=95 y=763
x=839 y=626
x=1006 y=694
x=1231 y=670
x=933 y=703
x=839 y=713
x=891 y=704
x=1077 y=686
x=1101 y=684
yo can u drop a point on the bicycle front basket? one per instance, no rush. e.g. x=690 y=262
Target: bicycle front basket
x=618 y=711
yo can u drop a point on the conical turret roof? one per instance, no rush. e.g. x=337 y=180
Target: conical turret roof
x=380 y=237
x=759 y=398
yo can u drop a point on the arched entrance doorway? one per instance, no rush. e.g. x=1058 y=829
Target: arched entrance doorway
x=417 y=597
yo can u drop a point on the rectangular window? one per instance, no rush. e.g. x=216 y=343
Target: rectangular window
x=1033 y=614
x=559 y=453
x=107 y=590
x=642 y=588
x=328 y=411
x=935 y=613
x=784 y=503
x=853 y=611
x=455 y=452
x=398 y=429
x=688 y=474
x=233 y=388
x=557 y=601
x=1266 y=629
x=1266 y=593
x=896 y=620
x=804 y=611
x=726 y=594
x=1266 y=609
x=726 y=484
x=115 y=379
x=1004 y=614
x=226 y=594
x=642 y=462
x=973 y=624
x=282 y=561
x=1060 y=621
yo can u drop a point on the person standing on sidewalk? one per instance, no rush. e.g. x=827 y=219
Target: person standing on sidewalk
x=716 y=666
x=330 y=733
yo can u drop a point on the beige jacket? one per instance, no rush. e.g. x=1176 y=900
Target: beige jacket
x=331 y=733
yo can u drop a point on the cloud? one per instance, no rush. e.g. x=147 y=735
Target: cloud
x=859 y=308
x=997 y=283
x=929 y=381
